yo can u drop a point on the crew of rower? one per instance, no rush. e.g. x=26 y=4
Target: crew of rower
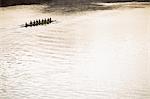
x=38 y=22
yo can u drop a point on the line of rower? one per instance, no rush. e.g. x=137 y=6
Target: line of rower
x=38 y=22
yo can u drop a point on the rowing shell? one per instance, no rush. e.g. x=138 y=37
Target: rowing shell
x=31 y=25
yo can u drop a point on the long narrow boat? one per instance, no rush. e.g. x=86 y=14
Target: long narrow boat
x=38 y=22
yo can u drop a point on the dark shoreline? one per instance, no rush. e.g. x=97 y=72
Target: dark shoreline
x=6 y=3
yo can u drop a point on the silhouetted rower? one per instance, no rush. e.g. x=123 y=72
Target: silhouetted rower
x=31 y=23
x=45 y=21
x=39 y=21
x=26 y=24
x=42 y=21
x=50 y=20
x=34 y=23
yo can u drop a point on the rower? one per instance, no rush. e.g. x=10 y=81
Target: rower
x=26 y=24
x=45 y=21
x=34 y=23
x=31 y=23
x=50 y=20
x=39 y=21
x=42 y=21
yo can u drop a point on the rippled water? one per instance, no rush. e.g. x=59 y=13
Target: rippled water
x=84 y=55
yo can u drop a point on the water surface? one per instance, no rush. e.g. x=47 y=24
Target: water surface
x=93 y=54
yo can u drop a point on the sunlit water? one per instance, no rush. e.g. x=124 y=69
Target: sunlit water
x=84 y=55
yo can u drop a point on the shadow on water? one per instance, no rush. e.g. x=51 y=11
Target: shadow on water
x=81 y=7
x=72 y=8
